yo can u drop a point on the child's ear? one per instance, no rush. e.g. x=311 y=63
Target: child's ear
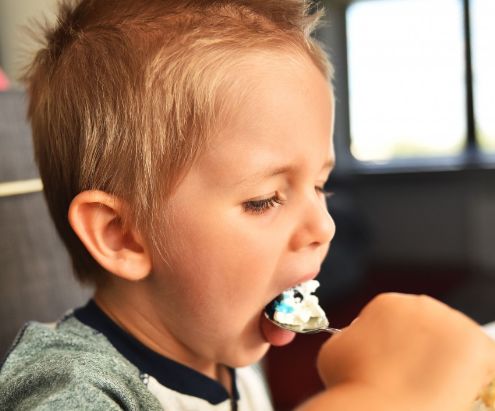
x=97 y=219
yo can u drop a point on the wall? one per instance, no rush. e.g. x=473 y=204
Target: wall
x=429 y=218
x=14 y=14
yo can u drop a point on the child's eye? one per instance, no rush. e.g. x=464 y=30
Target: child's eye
x=260 y=206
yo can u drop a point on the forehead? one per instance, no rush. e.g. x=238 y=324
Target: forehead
x=279 y=112
x=277 y=80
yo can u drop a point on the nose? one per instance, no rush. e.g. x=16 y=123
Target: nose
x=316 y=228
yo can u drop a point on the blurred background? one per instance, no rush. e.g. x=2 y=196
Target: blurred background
x=414 y=188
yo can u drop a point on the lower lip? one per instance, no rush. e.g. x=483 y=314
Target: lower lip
x=275 y=335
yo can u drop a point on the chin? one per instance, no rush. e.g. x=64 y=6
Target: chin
x=245 y=356
x=246 y=347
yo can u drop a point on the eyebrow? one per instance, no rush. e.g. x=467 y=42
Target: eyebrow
x=278 y=170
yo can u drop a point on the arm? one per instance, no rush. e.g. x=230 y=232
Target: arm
x=76 y=396
x=405 y=353
x=351 y=397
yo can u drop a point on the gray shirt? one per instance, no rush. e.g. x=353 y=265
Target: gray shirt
x=71 y=366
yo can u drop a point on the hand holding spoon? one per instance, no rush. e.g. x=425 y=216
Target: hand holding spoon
x=297 y=310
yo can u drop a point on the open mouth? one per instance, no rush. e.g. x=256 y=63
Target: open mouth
x=297 y=309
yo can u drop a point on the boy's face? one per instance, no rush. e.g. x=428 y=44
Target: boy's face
x=249 y=219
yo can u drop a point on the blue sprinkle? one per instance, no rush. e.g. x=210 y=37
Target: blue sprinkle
x=283 y=308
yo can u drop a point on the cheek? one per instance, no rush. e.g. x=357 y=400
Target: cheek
x=233 y=262
x=234 y=265
x=230 y=245
x=219 y=250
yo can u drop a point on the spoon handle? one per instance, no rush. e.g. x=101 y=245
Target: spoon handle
x=331 y=330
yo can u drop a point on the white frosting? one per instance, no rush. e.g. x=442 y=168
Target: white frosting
x=300 y=313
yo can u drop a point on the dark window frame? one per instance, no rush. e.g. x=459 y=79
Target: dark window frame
x=471 y=158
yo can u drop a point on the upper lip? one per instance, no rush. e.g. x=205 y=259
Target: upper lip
x=302 y=279
x=307 y=277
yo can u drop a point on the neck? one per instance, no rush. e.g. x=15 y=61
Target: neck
x=138 y=318
x=224 y=377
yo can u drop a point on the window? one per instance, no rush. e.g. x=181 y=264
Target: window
x=408 y=94
x=483 y=37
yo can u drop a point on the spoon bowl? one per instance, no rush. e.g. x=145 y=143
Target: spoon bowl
x=313 y=326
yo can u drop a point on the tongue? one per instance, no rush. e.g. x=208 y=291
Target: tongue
x=275 y=335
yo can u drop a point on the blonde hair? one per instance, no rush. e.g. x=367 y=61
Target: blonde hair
x=123 y=95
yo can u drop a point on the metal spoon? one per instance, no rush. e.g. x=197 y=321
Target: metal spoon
x=313 y=326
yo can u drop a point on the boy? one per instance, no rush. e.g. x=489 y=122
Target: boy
x=188 y=142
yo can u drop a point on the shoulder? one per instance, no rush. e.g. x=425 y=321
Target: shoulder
x=67 y=366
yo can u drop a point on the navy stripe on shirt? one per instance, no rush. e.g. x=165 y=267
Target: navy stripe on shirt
x=167 y=372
